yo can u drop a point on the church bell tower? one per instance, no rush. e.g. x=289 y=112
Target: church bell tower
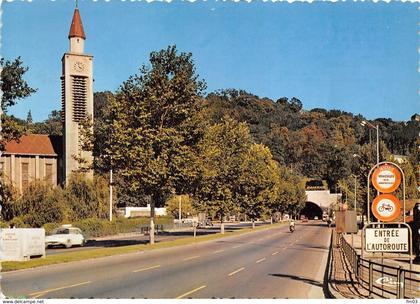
x=76 y=99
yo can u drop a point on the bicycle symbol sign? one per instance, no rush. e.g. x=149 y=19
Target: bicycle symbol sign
x=386 y=207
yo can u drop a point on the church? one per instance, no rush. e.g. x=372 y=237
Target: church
x=54 y=158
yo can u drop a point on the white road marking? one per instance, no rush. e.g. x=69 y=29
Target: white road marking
x=41 y=293
x=236 y=271
x=274 y=253
x=260 y=260
x=191 y=258
x=190 y=292
x=217 y=251
x=147 y=268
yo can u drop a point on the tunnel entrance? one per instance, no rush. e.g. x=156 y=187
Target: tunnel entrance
x=311 y=210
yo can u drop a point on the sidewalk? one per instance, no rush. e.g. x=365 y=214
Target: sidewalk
x=357 y=245
x=342 y=283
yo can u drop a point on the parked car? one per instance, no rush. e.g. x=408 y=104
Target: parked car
x=315 y=218
x=303 y=218
x=65 y=236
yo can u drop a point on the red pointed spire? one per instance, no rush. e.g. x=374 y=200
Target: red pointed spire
x=76 y=29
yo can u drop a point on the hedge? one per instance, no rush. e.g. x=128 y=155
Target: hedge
x=94 y=227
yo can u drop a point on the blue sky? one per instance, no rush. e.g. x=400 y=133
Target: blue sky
x=357 y=57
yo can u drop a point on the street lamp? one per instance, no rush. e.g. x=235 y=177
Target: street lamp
x=355 y=184
x=371 y=126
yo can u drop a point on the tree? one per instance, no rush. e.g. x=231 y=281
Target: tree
x=51 y=126
x=257 y=182
x=102 y=130
x=29 y=119
x=14 y=88
x=151 y=133
x=222 y=152
x=187 y=208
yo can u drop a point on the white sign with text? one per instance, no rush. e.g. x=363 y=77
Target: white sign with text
x=387 y=240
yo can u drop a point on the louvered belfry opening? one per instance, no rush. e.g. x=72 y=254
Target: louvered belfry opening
x=79 y=91
x=63 y=99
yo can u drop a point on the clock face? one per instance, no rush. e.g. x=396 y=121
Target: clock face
x=79 y=66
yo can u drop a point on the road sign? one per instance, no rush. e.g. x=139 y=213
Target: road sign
x=386 y=207
x=386 y=178
x=387 y=240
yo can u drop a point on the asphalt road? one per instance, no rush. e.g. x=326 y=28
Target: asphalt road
x=271 y=263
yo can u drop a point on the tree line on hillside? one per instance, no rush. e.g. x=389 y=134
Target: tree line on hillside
x=230 y=150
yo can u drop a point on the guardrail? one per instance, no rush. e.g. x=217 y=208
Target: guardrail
x=382 y=280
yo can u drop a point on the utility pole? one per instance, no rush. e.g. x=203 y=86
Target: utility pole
x=355 y=210
x=355 y=192
x=371 y=126
x=110 y=194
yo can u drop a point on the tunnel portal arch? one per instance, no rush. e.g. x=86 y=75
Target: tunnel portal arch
x=311 y=210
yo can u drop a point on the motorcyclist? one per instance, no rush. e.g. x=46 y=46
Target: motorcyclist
x=291 y=225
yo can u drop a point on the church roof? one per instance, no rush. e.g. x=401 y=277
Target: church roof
x=76 y=28
x=35 y=144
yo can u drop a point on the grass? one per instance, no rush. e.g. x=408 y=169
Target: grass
x=103 y=252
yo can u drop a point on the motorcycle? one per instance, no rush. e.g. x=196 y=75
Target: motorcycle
x=292 y=228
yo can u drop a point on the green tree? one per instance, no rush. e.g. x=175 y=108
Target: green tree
x=151 y=131
x=14 y=88
x=257 y=182
x=38 y=204
x=222 y=151
x=86 y=198
x=51 y=126
x=102 y=130
x=187 y=208
x=29 y=119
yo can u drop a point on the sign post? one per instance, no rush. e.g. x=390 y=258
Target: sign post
x=386 y=235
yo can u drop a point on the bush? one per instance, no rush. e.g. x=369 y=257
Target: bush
x=7 y=197
x=86 y=198
x=39 y=204
x=18 y=222
x=49 y=227
x=94 y=227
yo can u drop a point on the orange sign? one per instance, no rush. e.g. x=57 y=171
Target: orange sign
x=386 y=178
x=386 y=207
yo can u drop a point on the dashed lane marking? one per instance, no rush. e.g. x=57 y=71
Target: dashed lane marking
x=274 y=253
x=218 y=251
x=190 y=292
x=147 y=268
x=41 y=293
x=260 y=260
x=237 y=246
x=236 y=271
x=191 y=258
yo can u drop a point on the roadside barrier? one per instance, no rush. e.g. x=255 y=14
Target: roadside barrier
x=146 y=229
x=382 y=280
